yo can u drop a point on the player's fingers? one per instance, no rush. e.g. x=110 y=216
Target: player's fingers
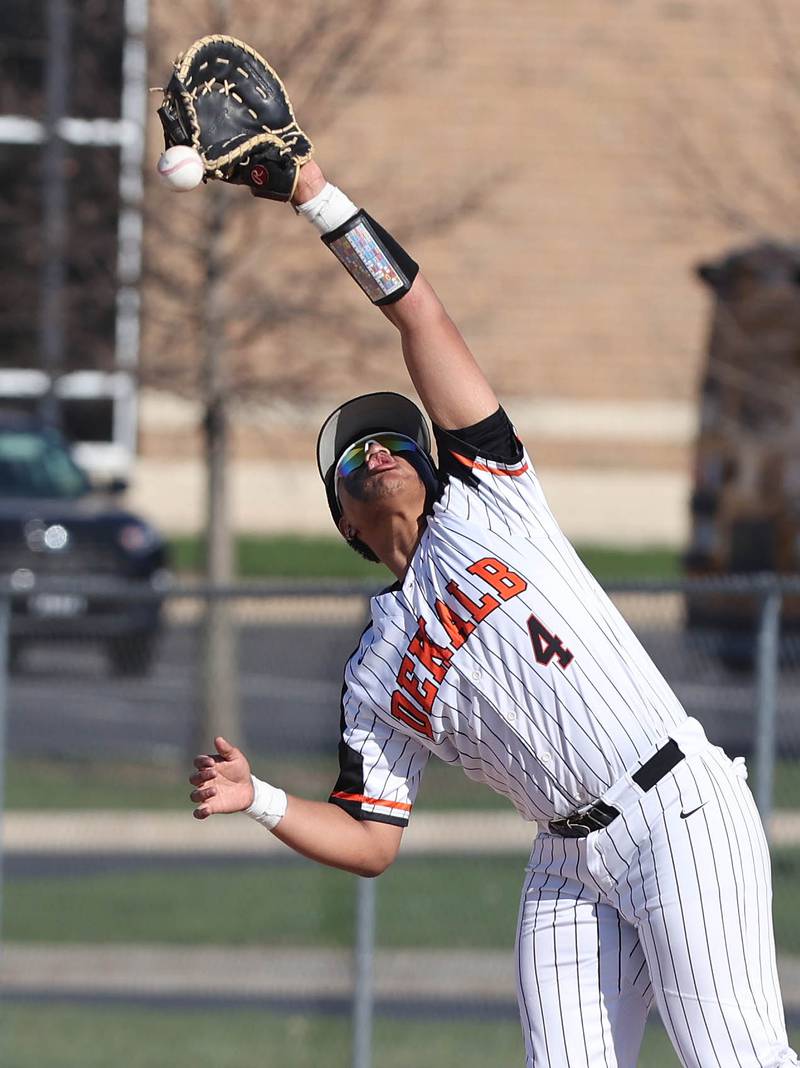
x=207 y=760
x=225 y=750
x=200 y=777
x=208 y=803
x=203 y=795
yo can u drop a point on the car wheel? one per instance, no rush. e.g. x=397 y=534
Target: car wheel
x=132 y=655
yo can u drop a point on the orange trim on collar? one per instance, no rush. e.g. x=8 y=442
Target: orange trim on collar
x=484 y=467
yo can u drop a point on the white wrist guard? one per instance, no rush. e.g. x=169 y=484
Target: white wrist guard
x=328 y=209
x=269 y=804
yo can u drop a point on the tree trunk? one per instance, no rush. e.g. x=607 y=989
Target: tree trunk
x=219 y=699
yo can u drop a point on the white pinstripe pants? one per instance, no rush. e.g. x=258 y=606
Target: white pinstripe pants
x=657 y=905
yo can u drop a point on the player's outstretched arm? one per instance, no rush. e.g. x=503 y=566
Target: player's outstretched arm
x=447 y=377
x=322 y=832
x=445 y=374
x=242 y=129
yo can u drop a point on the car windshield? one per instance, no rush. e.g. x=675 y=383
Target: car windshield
x=35 y=465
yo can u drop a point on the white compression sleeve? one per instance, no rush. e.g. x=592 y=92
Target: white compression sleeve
x=328 y=209
x=269 y=804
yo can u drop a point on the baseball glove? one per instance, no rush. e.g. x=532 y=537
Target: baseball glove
x=225 y=101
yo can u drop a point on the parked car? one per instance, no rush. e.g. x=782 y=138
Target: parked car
x=62 y=541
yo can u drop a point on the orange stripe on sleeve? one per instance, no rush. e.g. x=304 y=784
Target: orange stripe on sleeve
x=484 y=467
x=371 y=800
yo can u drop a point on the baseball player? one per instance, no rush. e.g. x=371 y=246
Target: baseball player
x=495 y=649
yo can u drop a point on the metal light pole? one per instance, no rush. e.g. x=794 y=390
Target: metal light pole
x=363 y=998
x=767 y=656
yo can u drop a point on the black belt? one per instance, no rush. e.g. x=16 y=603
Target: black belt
x=599 y=815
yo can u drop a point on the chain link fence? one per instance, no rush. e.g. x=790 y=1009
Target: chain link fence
x=124 y=918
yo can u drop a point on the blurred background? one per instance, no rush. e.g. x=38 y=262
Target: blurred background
x=606 y=200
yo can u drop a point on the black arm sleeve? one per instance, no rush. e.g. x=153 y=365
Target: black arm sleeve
x=493 y=438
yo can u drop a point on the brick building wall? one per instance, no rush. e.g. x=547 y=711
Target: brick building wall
x=609 y=147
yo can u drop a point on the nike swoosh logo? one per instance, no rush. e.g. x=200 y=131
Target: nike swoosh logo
x=691 y=812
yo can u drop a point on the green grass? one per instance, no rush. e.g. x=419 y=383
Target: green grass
x=76 y=1036
x=296 y=556
x=66 y=784
x=299 y=903
x=786 y=788
x=288 y=556
x=79 y=1036
x=653 y=562
x=786 y=897
x=69 y=1036
x=218 y=904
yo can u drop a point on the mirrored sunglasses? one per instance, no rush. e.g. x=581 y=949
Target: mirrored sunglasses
x=355 y=456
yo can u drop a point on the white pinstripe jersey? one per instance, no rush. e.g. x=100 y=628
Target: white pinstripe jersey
x=499 y=652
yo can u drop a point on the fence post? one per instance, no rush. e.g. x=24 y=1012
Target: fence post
x=767 y=699
x=363 y=989
x=5 y=617
x=363 y=994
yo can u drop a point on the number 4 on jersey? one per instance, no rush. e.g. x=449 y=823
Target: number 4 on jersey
x=547 y=645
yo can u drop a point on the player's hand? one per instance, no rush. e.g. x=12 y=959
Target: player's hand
x=222 y=781
x=310 y=181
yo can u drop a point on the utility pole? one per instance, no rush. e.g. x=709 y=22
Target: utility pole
x=54 y=204
x=130 y=225
x=54 y=131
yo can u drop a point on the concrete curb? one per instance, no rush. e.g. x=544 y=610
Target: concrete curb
x=171 y=833
x=174 y=833
x=253 y=972
x=248 y=972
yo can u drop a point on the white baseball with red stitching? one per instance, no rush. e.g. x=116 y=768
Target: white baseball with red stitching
x=180 y=168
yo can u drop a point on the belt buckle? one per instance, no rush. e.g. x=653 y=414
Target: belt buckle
x=570 y=826
x=576 y=826
x=581 y=824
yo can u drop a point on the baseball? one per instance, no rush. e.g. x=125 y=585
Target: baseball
x=181 y=168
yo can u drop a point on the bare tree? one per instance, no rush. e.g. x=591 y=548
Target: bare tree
x=738 y=165
x=332 y=55
x=226 y=279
